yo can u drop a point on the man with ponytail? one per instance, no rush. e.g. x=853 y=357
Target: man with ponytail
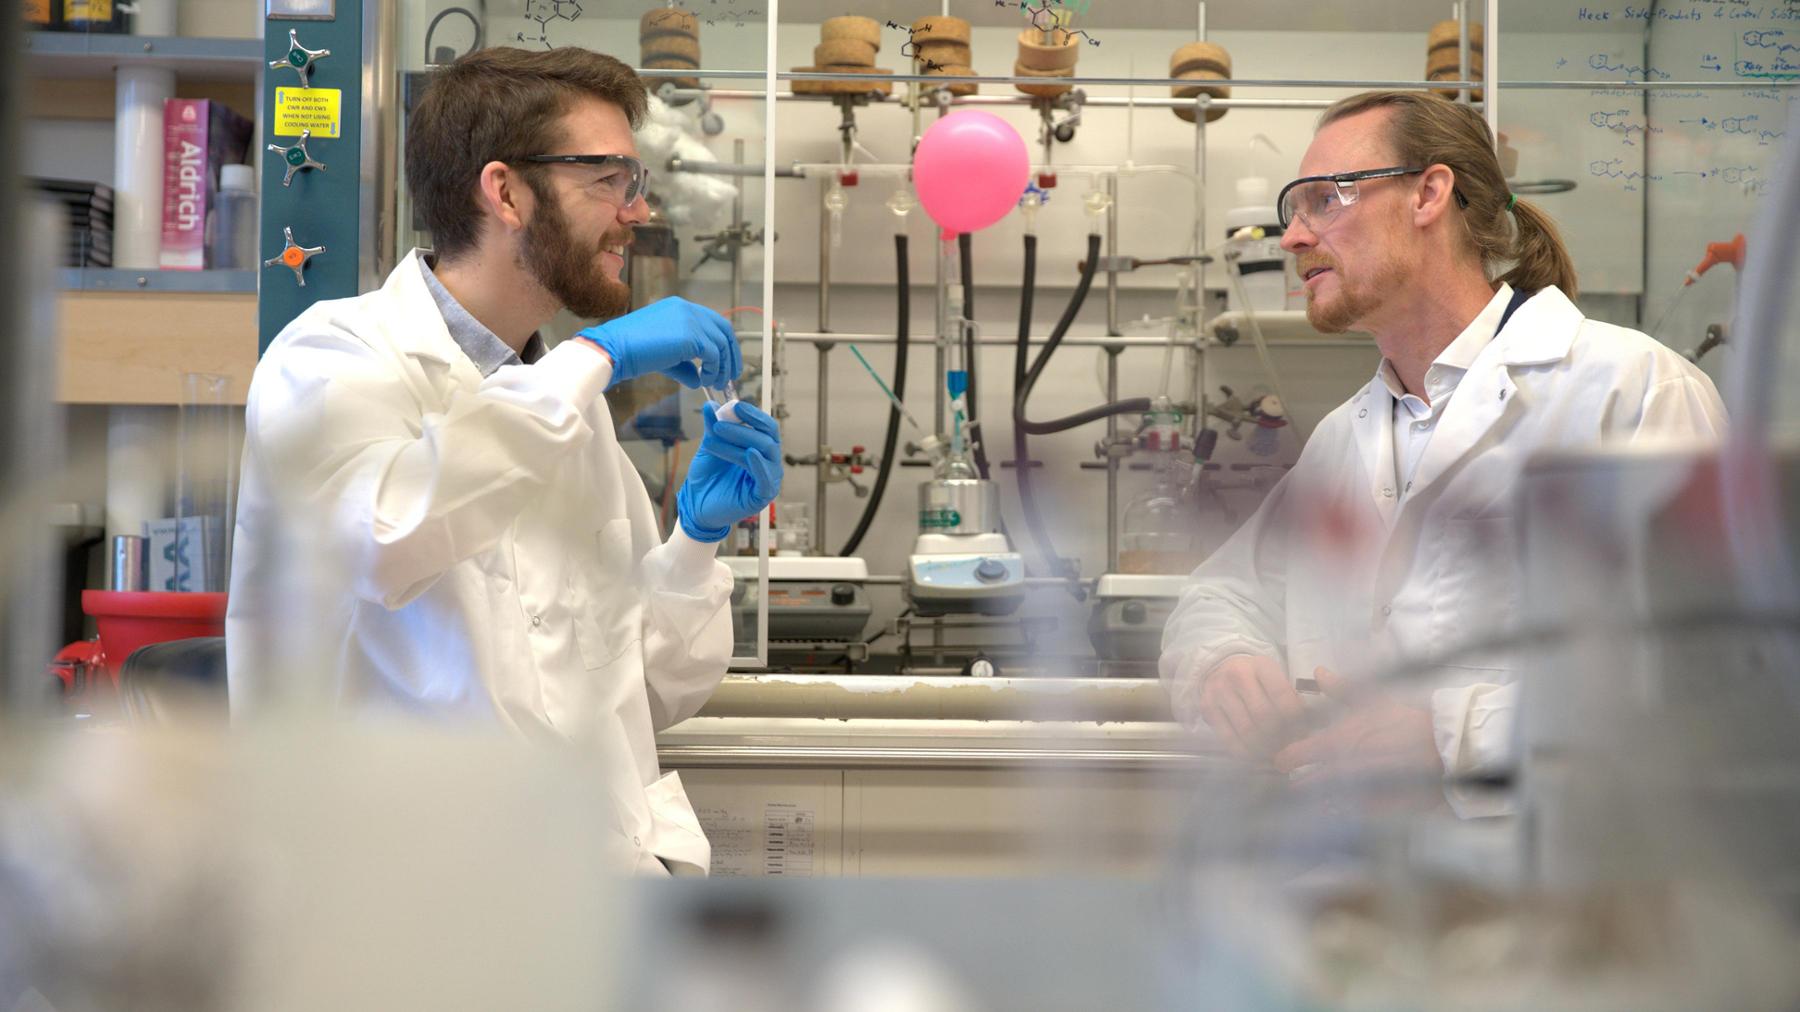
x=1391 y=542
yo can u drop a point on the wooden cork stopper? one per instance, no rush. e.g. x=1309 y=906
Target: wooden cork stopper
x=1448 y=35
x=1200 y=61
x=853 y=27
x=880 y=86
x=806 y=87
x=851 y=52
x=1042 y=90
x=940 y=28
x=1442 y=46
x=1441 y=66
x=672 y=47
x=946 y=54
x=876 y=85
x=1060 y=54
x=670 y=64
x=954 y=70
x=1200 y=56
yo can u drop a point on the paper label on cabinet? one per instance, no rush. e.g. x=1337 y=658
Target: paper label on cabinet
x=787 y=839
x=317 y=109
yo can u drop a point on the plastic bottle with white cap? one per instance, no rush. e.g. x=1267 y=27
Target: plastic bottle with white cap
x=1262 y=262
x=234 y=225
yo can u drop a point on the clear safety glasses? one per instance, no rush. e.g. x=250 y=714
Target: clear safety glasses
x=1315 y=200
x=622 y=179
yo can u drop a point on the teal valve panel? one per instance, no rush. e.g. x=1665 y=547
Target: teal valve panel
x=311 y=139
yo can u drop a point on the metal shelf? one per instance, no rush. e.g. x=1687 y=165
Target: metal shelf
x=100 y=279
x=89 y=54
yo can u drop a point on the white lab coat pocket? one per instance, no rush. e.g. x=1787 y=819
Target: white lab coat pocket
x=676 y=836
x=609 y=620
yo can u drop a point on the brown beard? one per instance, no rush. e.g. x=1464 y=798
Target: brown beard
x=1353 y=305
x=567 y=270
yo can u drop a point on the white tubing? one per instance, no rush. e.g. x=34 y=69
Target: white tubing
x=138 y=164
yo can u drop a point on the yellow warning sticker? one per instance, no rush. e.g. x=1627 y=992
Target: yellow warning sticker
x=317 y=109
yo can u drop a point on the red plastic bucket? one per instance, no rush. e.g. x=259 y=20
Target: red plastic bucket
x=131 y=619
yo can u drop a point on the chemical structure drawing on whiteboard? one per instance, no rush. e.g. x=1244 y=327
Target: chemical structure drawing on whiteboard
x=1046 y=15
x=718 y=13
x=541 y=14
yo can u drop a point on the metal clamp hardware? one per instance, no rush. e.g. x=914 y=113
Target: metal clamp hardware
x=297 y=157
x=293 y=255
x=299 y=59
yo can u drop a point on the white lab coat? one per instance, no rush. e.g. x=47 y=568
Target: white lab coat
x=484 y=549
x=1335 y=570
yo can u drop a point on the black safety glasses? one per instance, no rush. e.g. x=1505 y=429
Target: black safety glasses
x=622 y=179
x=1315 y=200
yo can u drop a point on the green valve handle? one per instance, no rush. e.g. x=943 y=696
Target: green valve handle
x=299 y=59
x=297 y=158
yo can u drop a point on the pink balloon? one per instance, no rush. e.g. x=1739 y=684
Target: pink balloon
x=970 y=169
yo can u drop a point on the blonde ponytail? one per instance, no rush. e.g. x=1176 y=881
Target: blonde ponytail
x=1539 y=257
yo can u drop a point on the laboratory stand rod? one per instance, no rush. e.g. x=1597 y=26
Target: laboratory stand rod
x=1197 y=379
x=1459 y=12
x=824 y=260
x=679 y=164
x=1094 y=341
x=1198 y=291
x=1490 y=71
x=1200 y=190
x=1403 y=84
x=1112 y=256
x=1400 y=84
x=941 y=403
x=1100 y=101
x=822 y=474
x=903 y=170
x=1112 y=462
x=737 y=221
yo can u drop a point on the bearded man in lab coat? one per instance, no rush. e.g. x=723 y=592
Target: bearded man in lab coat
x=436 y=517
x=1392 y=539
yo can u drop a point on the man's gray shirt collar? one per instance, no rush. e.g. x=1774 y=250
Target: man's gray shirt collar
x=482 y=345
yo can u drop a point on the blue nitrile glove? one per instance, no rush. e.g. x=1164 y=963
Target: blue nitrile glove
x=734 y=474
x=667 y=337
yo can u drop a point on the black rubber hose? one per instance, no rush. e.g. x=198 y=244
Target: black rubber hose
x=1136 y=405
x=891 y=442
x=1068 y=319
x=969 y=350
x=1022 y=356
x=1130 y=406
x=1034 y=521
